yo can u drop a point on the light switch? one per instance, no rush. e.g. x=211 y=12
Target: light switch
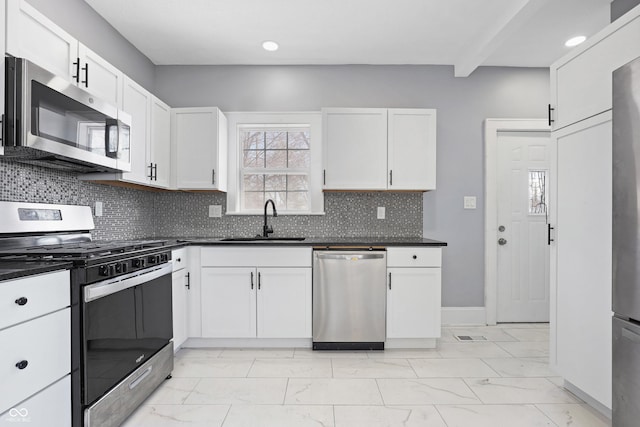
x=97 y=211
x=381 y=212
x=215 y=211
x=469 y=202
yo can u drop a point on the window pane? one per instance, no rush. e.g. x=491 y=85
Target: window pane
x=275 y=182
x=299 y=140
x=253 y=200
x=276 y=140
x=253 y=158
x=253 y=182
x=298 y=200
x=537 y=192
x=276 y=159
x=299 y=158
x=279 y=197
x=252 y=140
x=297 y=183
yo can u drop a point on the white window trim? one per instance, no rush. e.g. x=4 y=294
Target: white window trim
x=312 y=119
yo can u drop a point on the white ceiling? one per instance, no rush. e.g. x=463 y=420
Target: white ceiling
x=463 y=33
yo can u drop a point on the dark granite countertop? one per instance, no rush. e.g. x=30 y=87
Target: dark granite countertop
x=312 y=241
x=16 y=268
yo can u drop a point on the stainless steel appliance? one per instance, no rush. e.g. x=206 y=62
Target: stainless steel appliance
x=51 y=122
x=120 y=306
x=349 y=300
x=626 y=245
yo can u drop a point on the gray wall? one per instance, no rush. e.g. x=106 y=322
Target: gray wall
x=620 y=7
x=78 y=19
x=462 y=104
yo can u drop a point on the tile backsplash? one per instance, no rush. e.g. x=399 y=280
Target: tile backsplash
x=130 y=213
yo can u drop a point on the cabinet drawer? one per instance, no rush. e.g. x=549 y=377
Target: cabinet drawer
x=43 y=294
x=52 y=403
x=256 y=257
x=414 y=257
x=178 y=256
x=45 y=343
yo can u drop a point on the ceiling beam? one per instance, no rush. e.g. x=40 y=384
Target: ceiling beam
x=477 y=52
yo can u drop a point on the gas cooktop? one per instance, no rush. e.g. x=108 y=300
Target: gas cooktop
x=82 y=250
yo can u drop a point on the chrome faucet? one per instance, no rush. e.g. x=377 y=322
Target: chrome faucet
x=266 y=230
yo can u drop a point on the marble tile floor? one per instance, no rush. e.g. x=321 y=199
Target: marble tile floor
x=503 y=381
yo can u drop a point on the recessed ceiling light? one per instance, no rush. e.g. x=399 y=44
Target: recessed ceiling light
x=269 y=45
x=574 y=41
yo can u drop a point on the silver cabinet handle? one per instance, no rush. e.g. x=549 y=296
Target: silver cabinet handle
x=142 y=376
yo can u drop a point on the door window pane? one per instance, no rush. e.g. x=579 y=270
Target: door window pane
x=537 y=192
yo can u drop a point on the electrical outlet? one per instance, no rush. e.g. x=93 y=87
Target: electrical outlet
x=381 y=212
x=469 y=202
x=215 y=211
x=97 y=210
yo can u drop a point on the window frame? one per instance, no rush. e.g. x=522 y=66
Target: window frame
x=239 y=120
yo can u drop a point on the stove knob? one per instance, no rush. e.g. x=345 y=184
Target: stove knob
x=103 y=270
x=138 y=263
x=112 y=270
x=154 y=259
x=124 y=267
x=118 y=268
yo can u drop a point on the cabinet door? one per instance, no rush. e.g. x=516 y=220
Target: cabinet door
x=160 y=143
x=228 y=302
x=99 y=77
x=582 y=81
x=583 y=239
x=355 y=148
x=33 y=36
x=137 y=102
x=199 y=140
x=52 y=403
x=413 y=302
x=412 y=149
x=284 y=302
x=179 y=307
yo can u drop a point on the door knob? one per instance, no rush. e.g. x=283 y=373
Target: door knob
x=502 y=241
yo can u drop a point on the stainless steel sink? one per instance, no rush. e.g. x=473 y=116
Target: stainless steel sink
x=263 y=239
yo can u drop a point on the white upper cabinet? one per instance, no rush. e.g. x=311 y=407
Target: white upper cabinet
x=199 y=148
x=412 y=149
x=581 y=84
x=379 y=149
x=136 y=101
x=32 y=36
x=98 y=76
x=160 y=144
x=355 y=148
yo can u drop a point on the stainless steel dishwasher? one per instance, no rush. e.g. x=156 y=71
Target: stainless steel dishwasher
x=349 y=300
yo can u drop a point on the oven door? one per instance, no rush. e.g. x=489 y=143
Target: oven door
x=50 y=118
x=126 y=320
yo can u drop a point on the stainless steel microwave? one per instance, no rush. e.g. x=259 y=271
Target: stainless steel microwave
x=51 y=122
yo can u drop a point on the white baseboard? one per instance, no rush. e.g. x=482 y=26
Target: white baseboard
x=463 y=316
x=604 y=410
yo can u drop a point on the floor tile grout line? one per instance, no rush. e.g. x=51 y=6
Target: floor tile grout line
x=380 y=392
x=224 y=420
x=544 y=413
x=440 y=413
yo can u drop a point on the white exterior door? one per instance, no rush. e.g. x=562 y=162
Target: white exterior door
x=523 y=252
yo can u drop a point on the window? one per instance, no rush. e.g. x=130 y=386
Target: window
x=537 y=192
x=277 y=156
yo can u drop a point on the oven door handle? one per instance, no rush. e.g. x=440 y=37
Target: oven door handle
x=117 y=284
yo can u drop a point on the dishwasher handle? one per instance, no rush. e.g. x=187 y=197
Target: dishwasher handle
x=355 y=256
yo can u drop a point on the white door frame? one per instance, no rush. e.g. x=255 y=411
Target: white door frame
x=491 y=129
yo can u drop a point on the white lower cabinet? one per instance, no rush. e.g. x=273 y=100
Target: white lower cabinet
x=180 y=288
x=413 y=293
x=52 y=406
x=34 y=319
x=264 y=302
x=255 y=292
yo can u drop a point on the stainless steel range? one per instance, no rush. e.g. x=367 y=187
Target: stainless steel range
x=120 y=306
